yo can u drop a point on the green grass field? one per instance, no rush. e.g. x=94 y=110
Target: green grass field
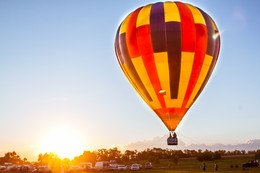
x=192 y=165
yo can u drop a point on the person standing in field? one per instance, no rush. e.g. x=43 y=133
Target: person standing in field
x=204 y=167
x=216 y=167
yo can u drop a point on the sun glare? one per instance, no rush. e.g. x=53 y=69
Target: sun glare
x=64 y=142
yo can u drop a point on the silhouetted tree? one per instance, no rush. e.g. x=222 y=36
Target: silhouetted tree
x=114 y=154
x=87 y=156
x=52 y=160
x=66 y=164
x=243 y=152
x=102 y=155
x=216 y=155
x=205 y=156
x=257 y=154
x=12 y=157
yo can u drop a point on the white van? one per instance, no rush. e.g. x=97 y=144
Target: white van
x=103 y=165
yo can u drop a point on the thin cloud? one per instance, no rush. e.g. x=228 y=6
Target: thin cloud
x=237 y=21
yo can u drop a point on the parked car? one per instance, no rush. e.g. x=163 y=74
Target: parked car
x=35 y=170
x=75 y=168
x=103 y=165
x=11 y=168
x=135 y=167
x=3 y=169
x=113 y=167
x=86 y=166
x=128 y=167
x=251 y=163
x=44 y=169
x=148 y=165
x=121 y=167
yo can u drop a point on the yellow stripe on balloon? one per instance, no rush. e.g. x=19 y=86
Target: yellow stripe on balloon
x=143 y=17
x=161 y=61
x=203 y=73
x=171 y=12
x=141 y=71
x=197 y=16
x=187 y=59
x=124 y=24
x=162 y=67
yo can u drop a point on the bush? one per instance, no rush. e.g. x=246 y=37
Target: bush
x=205 y=156
x=217 y=155
x=257 y=154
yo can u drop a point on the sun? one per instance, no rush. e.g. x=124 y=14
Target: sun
x=64 y=142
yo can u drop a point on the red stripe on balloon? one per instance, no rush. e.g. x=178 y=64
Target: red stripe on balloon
x=211 y=48
x=201 y=47
x=145 y=47
x=187 y=28
x=131 y=41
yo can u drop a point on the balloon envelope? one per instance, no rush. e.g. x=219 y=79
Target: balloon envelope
x=168 y=51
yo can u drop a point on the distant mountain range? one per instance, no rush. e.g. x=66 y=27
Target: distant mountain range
x=160 y=142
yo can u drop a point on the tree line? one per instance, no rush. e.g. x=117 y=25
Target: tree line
x=13 y=157
x=154 y=155
x=128 y=156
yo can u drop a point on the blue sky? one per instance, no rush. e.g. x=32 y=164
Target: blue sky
x=58 y=68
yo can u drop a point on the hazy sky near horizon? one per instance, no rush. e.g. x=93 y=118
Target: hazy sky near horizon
x=58 y=69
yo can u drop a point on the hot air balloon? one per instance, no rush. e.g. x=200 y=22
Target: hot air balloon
x=168 y=51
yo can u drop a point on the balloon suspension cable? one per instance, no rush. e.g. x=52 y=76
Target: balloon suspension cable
x=171 y=132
